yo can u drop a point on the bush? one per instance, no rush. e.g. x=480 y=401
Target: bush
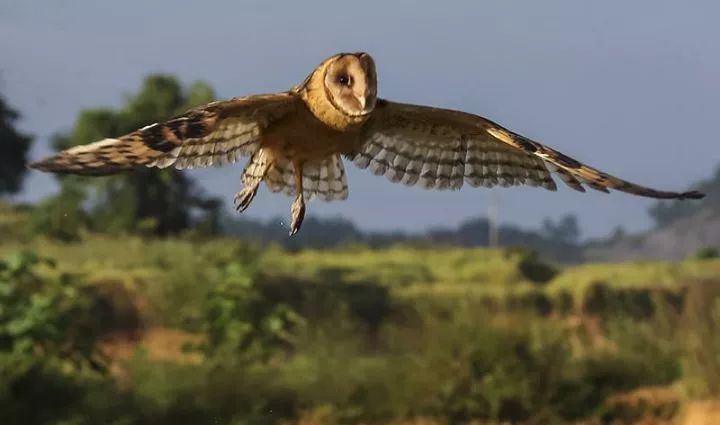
x=707 y=253
x=604 y=300
x=699 y=336
x=61 y=216
x=48 y=330
x=239 y=320
x=365 y=303
x=535 y=270
x=514 y=376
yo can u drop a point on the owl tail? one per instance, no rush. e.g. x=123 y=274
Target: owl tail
x=324 y=178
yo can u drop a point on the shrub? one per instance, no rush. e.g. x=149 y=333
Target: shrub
x=604 y=300
x=239 y=320
x=514 y=376
x=61 y=216
x=707 y=253
x=535 y=270
x=699 y=335
x=48 y=329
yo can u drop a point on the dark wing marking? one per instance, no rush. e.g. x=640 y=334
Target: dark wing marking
x=212 y=134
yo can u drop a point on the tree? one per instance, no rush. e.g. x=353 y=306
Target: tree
x=566 y=230
x=14 y=147
x=150 y=201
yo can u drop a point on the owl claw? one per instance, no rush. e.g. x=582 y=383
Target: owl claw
x=298 y=214
x=244 y=198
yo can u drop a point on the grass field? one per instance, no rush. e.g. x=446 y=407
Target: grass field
x=242 y=334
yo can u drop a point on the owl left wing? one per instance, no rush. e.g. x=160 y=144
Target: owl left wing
x=442 y=148
x=212 y=134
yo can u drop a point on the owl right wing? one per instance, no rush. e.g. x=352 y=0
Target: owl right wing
x=441 y=149
x=213 y=134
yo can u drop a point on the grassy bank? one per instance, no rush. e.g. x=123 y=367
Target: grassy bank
x=190 y=331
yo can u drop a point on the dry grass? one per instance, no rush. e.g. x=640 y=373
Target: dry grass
x=158 y=344
x=702 y=413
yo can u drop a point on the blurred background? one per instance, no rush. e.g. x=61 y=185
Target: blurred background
x=143 y=298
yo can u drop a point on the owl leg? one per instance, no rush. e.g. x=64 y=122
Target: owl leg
x=252 y=177
x=298 y=207
x=245 y=196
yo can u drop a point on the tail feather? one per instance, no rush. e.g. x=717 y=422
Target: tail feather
x=324 y=179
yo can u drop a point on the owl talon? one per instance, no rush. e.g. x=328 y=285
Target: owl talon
x=245 y=197
x=298 y=214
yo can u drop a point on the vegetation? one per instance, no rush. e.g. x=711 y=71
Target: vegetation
x=557 y=241
x=344 y=336
x=14 y=147
x=121 y=303
x=151 y=202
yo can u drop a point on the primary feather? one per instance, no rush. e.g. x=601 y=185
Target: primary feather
x=214 y=134
x=442 y=148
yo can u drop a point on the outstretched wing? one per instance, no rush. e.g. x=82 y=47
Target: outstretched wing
x=442 y=148
x=213 y=134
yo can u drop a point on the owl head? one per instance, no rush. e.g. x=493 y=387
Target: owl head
x=342 y=90
x=351 y=83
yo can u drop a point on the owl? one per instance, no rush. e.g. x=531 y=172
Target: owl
x=296 y=141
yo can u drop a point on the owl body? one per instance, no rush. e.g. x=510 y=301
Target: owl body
x=296 y=141
x=302 y=137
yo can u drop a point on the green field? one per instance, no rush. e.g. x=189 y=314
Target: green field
x=177 y=331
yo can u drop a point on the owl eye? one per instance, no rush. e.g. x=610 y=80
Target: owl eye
x=344 y=79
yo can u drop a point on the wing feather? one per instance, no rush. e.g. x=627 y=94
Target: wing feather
x=214 y=134
x=441 y=148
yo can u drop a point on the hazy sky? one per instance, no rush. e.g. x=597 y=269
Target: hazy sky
x=631 y=87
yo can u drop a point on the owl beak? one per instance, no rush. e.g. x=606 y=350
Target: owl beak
x=365 y=106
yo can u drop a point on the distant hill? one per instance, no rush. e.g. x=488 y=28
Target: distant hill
x=667 y=212
x=681 y=228
x=673 y=241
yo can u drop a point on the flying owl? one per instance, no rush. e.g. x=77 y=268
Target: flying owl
x=296 y=141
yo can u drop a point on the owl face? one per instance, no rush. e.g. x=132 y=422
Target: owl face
x=351 y=84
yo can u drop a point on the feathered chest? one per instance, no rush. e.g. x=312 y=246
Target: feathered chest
x=303 y=137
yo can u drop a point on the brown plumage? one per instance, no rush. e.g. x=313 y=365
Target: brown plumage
x=295 y=141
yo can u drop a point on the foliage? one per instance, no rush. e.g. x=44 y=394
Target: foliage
x=510 y=377
x=239 y=320
x=48 y=329
x=48 y=317
x=354 y=335
x=61 y=216
x=565 y=230
x=707 y=253
x=534 y=269
x=14 y=147
x=157 y=202
x=698 y=332
x=559 y=242
x=15 y=222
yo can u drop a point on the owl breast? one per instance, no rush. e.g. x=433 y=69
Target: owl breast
x=303 y=137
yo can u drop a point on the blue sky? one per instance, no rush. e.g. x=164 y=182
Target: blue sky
x=630 y=87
